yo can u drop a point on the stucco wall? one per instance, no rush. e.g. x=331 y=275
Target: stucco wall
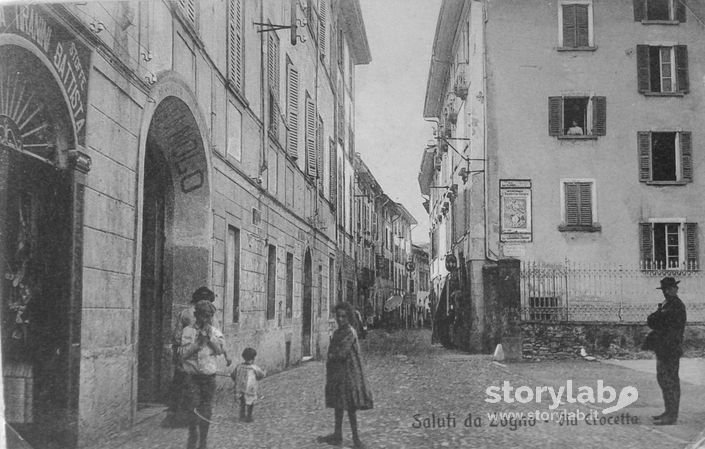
x=524 y=69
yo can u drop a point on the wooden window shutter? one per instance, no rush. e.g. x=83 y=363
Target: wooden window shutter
x=333 y=172
x=572 y=209
x=293 y=112
x=644 y=144
x=319 y=152
x=686 y=144
x=681 y=52
x=681 y=15
x=323 y=27
x=581 y=26
x=691 y=246
x=639 y=10
x=188 y=7
x=311 y=163
x=599 y=116
x=585 y=203
x=642 y=68
x=555 y=116
x=569 y=26
x=646 y=243
x=235 y=43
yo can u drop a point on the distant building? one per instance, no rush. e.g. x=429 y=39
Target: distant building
x=567 y=130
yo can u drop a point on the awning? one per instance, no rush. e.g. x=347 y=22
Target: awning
x=392 y=303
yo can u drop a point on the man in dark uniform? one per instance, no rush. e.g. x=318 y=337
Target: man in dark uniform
x=668 y=322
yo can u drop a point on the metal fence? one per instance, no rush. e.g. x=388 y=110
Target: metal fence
x=574 y=291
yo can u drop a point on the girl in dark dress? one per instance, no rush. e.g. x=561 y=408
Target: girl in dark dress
x=346 y=387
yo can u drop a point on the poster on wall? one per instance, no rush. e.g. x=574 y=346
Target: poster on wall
x=515 y=210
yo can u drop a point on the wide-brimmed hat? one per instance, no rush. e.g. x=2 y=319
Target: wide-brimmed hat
x=668 y=282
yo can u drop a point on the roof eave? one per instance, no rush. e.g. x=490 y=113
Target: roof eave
x=355 y=27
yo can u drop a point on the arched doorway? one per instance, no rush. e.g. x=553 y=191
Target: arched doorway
x=39 y=312
x=306 y=304
x=175 y=234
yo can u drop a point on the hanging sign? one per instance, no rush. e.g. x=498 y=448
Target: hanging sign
x=69 y=57
x=515 y=210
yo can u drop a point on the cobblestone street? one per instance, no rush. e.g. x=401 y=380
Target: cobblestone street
x=430 y=382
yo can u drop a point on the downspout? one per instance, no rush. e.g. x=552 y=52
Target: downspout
x=263 y=90
x=488 y=254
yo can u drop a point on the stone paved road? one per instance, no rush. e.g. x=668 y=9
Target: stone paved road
x=429 y=381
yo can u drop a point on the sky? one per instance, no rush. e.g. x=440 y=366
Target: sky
x=390 y=132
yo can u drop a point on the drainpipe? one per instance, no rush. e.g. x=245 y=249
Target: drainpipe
x=488 y=254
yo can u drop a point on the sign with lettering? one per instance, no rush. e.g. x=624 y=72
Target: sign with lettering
x=515 y=210
x=68 y=55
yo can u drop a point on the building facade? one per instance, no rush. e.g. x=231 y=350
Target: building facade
x=567 y=131
x=150 y=148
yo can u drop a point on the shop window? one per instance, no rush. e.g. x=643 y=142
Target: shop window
x=575 y=117
x=662 y=70
x=665 y=157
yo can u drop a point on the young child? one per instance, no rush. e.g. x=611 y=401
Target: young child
x=245 y=377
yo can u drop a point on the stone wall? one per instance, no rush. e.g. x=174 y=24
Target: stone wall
x=542 y=340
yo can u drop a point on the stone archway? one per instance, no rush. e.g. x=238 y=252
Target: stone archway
x=175 y=227
x=41 y=208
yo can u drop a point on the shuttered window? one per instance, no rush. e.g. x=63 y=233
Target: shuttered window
x=188 y=9
x=322 y=28
x=311 y=162
x=669 y=245
x=665 y=156
x=576 y=26
x=273 y=81
x=320 y=145
x=659 y=10
x=662 y=69
x=333 y=173
x=577 y=117
x=578 y=203
x=235 y=44
x=292 y=113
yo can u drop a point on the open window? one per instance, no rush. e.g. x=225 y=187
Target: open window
x=665 y=157
x=576 y=117
x=659 y=11
x=669 y=244
x=662 y=70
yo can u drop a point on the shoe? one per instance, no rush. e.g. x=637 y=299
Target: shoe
x=357 y=444
x=332 y=439
x=657 y=417
x=666 y=421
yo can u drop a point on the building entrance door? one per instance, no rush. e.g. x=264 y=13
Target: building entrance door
x=150 y=376
x=307 y=315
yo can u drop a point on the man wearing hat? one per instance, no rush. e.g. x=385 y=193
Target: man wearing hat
x=668 y=322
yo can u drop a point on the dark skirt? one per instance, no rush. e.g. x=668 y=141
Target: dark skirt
x=346 y=386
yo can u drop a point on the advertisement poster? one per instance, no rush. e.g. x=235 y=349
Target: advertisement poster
x=515 y=210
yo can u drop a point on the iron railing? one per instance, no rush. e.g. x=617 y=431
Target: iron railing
x=574 y=291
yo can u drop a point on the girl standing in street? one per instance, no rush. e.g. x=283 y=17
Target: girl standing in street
x=346 y=387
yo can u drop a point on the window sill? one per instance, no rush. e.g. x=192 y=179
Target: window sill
x=666 y=183
x=576 y=48
x=567 y=137
x=580 y=228
x=663 y=94
x=660 y=22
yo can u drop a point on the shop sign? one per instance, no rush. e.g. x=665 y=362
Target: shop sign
x=515 y=210
x=68 y=55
